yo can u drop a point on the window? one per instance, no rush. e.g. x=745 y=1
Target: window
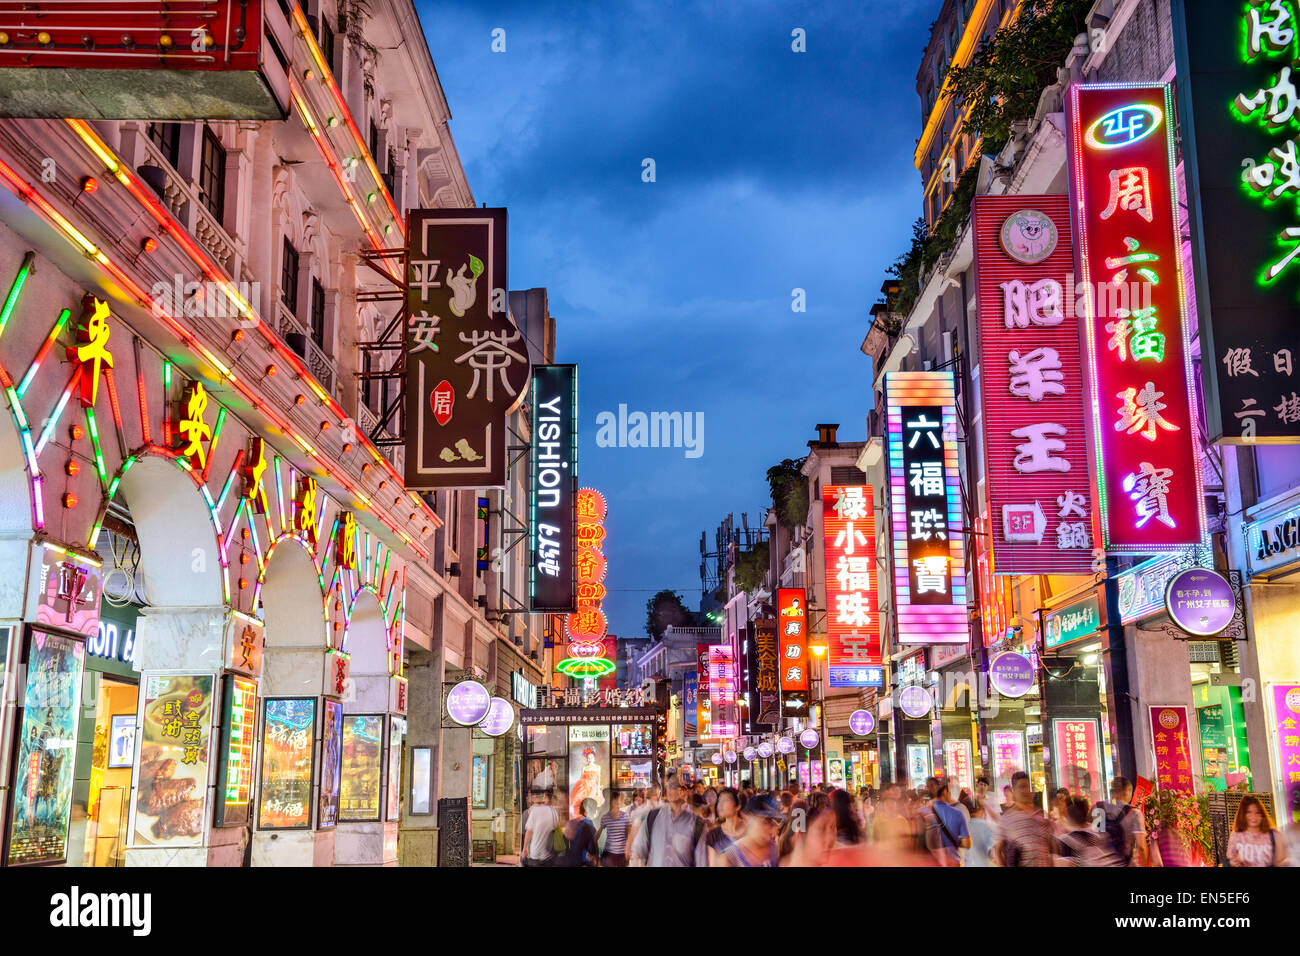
x=390 y=176
x=327 y=42
x=212 y=174
x=167 y=137
x=368 y=384
x=317 y=313
x=289 y=276
x=374 y=140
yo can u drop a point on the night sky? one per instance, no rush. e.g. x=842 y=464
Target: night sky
x=775 y=170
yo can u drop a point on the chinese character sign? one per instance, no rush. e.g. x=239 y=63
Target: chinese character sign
x=1032 y=397
x=553 y=488
x=1285 y=700
x=1171 y=741
x=176 y=723
x=703 y=709
x=722 y=690
x=925 y=513
x=1145 y=436
x=466 y=363
x=766 y=673
x=1239 y=122
x=957 y=762
x=1077 y=755
x=792 y=615
x=1008 y=748
x=852 y=628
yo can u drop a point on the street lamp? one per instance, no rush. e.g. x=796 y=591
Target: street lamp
x=819 y=651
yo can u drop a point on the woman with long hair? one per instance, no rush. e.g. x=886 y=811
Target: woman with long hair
x=588 y=785
x=807 y=837
x=1254 y=841
x=730 y=828
x=848 y=831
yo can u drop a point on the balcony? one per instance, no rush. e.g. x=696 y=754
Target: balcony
x=298 y=338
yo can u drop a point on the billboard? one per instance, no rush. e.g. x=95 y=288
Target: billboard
x=792 y=617
x=203 y=59
x=925 y=512
x=765 y=664
x=1235 y=71
x=852 y=628
x=722 y=690
x=553 y=489
x=1031 y=387
x=1144 y=441
x=466 y=363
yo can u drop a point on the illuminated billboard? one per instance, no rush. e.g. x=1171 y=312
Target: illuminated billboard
x=852 y=620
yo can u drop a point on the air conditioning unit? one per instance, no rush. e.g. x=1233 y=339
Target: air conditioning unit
x=926 y=364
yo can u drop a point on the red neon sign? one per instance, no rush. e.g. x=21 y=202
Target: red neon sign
x=852 y=625
x=792 y=631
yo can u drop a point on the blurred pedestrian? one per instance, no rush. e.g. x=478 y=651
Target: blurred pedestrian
x=730 y=828
x=848 y=827
x=1026 y=834
x=983 y=834
x=1080 y=844
x=672 y=835
x=950 y=833
x=1124 y=824
x=807 y=840
x=1254 y=841
x=580 y=833
x=540 y=823
x=614 y=827
x=763 y=820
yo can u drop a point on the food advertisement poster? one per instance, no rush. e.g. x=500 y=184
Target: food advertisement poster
x=47 y=745
x=171 y=796
x=363 y=736
x=287 y=739
x=331 y=747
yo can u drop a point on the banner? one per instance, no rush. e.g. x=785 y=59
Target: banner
x=852 y=631
x=1145 y=444
x=926 y=515
x=792 y=618
x=704 y=707
x=1284 y=714
x=171 y=806
x=1032 y=395
x=1171 y=740
x=1237 y=119
x=553 y=489
x=466 y=362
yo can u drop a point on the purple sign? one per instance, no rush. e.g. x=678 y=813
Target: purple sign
x=500 y=718
x=861 y=722
x=808 y=739
x=1200 y=601
x=785 y=745
x=1011 y=674
x=914 y=701
x=468 y=703
x=729 y=756
x=716 y=758
x=749 y=753
x=1286 y=733
x=765 y=750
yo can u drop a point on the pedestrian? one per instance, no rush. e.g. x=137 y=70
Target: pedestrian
x=891 y=831
x=983 y=833
x=1060 y=800
x=1254 y=841
x=950 y=834
x=636 y=820
x=808 y=843
x=848 y=828
x=1079 y=844
x=671 y=835
x=786 y=799
x=614 y=826
x=1026 y=833
x=700 y=807
x=730 y=828
x=580 y=833
x=1124 y=825
x=540 y=823
x=992 y=812
x=711 y=798
x=763 y=820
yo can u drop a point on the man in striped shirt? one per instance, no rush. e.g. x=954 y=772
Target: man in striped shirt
x=614 y=823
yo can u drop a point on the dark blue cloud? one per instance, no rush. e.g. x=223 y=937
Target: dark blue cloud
x=775 y=170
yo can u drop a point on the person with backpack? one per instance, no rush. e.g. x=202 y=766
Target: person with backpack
x=1124 y=826
x=949 y=834
x=672 y=835
x=1254 y=841
x=1079 y=844
x=541 y=822
x=580 y=837
x=1026 y=836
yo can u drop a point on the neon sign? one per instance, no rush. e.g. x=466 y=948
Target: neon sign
x=852 y=628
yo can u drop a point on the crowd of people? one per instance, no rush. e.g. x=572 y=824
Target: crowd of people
x=698 y=825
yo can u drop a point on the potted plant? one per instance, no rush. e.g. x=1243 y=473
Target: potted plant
x=1179 y=824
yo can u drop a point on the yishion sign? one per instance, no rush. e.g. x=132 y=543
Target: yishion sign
x=553 y=488
x=466 y=362
x=1144 y=440
x=1237 y=110
x=1031 y=387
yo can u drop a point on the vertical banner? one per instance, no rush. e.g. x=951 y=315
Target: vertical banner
x=1172 y=742
x=722 y=690
x=466 y=363
x=852 y=631
x=553 y=489
x=925 y=513
x=792 y=620
x=1236 y=76
x=1284 y=714
x=767 y=680
x=704 y=707
x=1145 y=440
x=1032 y=387
x=691 y=705
x=1077 y=755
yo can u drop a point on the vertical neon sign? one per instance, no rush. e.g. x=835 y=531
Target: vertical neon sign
x=852 y=627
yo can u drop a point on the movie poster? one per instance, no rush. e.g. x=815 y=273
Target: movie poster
x=47 y=746
x=588 y=767
x=287 y=737
x=363 y=736
x=171 y=805
x=331 y=746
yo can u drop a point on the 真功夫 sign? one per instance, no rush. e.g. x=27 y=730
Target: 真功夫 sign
x=553 y=489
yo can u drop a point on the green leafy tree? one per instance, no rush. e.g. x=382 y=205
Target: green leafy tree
x=663 y=610
x=751 y=567
x=789 y=490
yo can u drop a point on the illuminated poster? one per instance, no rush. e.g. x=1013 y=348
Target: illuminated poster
x=722 y=690
x=703 y=713
x=363 y=744
x=479 y=783
x=235 y=780
x=852 y=631
x=1145 y=440
x=1284 y=714
x=466 y=363
x=918 y=763
x=1032 y=397
x=690 y=705
x=1172 y=743
x=553 y=489
x=792 y=615
x=172 y=783
x=957 y=761
x=1236 y=66
x=47 y=746
x=926 y=512
x=765 y=675
x=1077 y=756
x=396 y=733
x=331 y=747
x=588 y=767
x=288 y=729
x=1008 y=748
